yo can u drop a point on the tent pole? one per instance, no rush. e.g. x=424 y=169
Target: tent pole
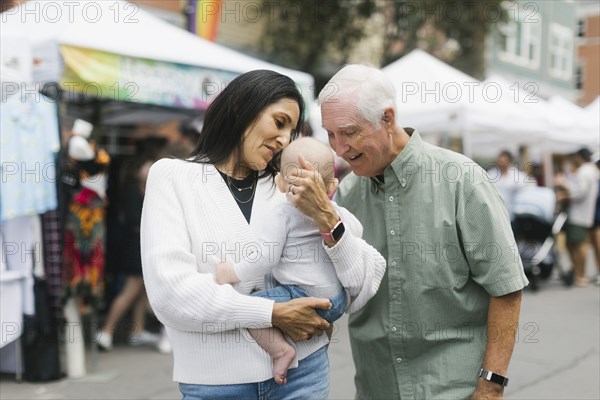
x=548 y=165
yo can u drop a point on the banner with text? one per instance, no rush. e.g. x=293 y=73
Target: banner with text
x=97 y=74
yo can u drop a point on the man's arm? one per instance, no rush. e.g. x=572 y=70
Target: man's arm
x=502 y=325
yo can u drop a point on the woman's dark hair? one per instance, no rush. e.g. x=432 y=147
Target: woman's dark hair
x=236 y=109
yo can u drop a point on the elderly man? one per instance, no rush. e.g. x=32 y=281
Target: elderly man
x=443 y=323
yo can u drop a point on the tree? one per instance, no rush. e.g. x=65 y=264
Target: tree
x=454 y=31
x=309 y=34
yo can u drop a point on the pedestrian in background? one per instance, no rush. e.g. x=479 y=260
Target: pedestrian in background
x=581 y=192
x=509 y=179
x=443 y=323
x=133 y=294
x=595 y=231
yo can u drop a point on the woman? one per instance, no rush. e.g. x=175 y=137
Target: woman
x=205 y=209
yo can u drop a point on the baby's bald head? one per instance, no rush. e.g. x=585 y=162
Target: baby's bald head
x=313 y=151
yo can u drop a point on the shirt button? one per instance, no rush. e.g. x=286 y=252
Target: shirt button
x=394 y=329
x=392 y=232
x=391 y=198
x=398 y=360
x=394 y=297
x=393 y=263
x=403 y=182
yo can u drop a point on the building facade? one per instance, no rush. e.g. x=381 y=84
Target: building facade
x=588 y=52
x=536 y=47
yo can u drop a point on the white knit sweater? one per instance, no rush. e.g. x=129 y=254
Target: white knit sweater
x=189 y=216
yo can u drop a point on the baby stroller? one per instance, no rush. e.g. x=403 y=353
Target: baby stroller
x=535 y=227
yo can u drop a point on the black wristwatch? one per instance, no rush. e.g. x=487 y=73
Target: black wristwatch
x=493 y=377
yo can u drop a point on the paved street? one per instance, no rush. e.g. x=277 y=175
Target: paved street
x=557 y=357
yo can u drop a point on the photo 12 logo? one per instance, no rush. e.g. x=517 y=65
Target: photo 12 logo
x=72 y=11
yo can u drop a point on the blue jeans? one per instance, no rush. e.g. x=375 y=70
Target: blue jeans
x=310 y=381
x=283 y=293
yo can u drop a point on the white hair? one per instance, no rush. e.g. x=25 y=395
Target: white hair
x=374 y=91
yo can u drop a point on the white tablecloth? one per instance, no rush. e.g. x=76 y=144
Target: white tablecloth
x=11 y=306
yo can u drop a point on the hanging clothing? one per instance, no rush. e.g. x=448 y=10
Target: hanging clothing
x=23 y=254
x=22 y=250
x=28 y=145
x=83 y=253
x=53 y=241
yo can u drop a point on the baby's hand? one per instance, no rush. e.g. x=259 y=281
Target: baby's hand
x=225 y=273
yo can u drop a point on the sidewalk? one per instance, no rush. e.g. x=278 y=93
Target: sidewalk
x=127 y=372
x=557 y=356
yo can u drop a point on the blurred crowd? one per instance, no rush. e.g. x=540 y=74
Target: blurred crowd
x=571 y=211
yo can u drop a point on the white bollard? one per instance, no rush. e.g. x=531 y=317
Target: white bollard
x=74 y=342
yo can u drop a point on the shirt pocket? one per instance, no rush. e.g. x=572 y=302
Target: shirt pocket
x=433 y=257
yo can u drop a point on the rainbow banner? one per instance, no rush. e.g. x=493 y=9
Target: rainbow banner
x=98 y=74
x=204 y=18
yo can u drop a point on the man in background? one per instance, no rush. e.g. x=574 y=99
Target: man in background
x=582 y=190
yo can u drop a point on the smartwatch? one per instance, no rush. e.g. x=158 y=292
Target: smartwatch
x=493 y=377
x=336 y=233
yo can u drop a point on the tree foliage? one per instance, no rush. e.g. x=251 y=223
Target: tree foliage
x=307 y=34
x=454 y=31
x=317 y=36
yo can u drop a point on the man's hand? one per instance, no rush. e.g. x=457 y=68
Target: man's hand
x=225 y=273
x=307 y=193
x=298 y=319
x=487 y=390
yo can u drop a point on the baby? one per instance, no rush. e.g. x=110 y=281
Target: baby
x=292 y=249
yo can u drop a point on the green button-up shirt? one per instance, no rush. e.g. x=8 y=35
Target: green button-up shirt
x=446 y=236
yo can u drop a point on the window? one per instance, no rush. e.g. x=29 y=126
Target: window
x=520 y=42
x=560 y=52
x=581 y=28
x=579 y=78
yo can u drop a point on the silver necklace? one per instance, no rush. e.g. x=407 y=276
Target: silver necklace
x=239 y=189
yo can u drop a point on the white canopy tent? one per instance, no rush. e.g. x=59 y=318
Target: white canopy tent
x=573 y=125
x=116 y=41
x=594 y=108
x=440 y=100
x=593 y=112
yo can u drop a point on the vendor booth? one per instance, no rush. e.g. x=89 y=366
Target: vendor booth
x=117 y=51
x=116 y=66
x=29 y=271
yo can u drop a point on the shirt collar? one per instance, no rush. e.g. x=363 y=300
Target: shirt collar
x=405 y=165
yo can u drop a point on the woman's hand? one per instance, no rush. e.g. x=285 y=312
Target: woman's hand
x=298 y=319
x=226 y=274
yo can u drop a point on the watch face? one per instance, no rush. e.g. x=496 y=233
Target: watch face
x=338 y=232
